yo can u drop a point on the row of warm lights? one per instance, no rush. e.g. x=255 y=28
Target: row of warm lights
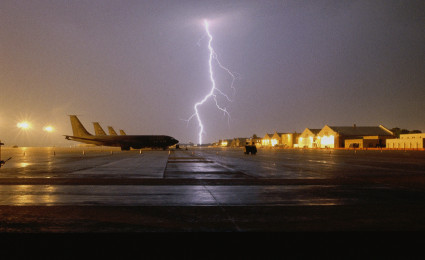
x=328 y=140
x=25 y=125
x=311 y=139
x=272 y=141
x=325 y=139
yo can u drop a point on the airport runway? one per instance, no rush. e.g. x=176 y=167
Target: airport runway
x=96 y=190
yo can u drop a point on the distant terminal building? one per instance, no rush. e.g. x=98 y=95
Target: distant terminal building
x=330 y=137
x=255 y=140
x=225 y=142
x=267 y=140
x=272 y=140
x=289 y=140
x=407 y=141
x=309 y=138
x=276 y=139
x=286 y=140
x=353 y=136
x=239 y=142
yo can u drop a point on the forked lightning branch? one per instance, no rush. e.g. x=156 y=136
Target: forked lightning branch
x=214 y=91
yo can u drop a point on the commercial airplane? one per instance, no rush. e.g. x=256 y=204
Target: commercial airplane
x=111 y=131
x=126 y=142
x=98 y=130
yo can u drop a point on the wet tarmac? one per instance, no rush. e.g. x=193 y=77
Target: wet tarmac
x=95 y=190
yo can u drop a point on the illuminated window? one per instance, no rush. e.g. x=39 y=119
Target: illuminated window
x=328 y=141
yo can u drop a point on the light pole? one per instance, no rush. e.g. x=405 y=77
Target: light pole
x=0 y=153
x=1 y=161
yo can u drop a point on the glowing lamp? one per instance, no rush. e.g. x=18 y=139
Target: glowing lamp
x=23 y=125
x=48 y=129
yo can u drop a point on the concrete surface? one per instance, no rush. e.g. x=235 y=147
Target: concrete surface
x=103 y=190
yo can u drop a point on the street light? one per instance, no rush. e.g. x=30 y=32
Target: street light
x=48 y=129
x=24 y=125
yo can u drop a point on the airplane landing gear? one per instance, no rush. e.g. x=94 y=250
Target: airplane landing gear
x=125 y=148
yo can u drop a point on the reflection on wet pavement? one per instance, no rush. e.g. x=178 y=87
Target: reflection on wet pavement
x=223 y=177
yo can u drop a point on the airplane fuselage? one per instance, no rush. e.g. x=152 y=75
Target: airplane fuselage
x=126 y=142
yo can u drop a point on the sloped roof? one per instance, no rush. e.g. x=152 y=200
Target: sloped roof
x=360 y=130
x=279 y=134
x=314 y=130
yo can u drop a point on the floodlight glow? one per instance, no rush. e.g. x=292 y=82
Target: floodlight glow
x=23 y=125
x=48 y=129
x=328 y=141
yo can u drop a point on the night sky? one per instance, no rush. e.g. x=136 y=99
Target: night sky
x=142 y=65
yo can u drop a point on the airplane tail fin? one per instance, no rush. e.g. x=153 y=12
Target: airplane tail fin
x=78 y=128
x=98 y=129
x=111 y=131
x=122 y=132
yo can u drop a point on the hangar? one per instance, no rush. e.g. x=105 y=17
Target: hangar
x=308 y=138
x=353 y=136
x=407 y=141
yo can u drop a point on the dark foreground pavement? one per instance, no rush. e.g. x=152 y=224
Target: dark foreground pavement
x=326 y=199
x=125 y=219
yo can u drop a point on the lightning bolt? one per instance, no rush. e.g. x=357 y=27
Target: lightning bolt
x=214 y=90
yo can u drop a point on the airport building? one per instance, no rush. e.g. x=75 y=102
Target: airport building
x=267 y=140
x=353 y=136
x=238 y=142
x=287 y=140
x=255 y=140
x=277 y=139
x=225 y=142
x=407 y=141
x=290 y=140
x=333 y=137
x=308 y=138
